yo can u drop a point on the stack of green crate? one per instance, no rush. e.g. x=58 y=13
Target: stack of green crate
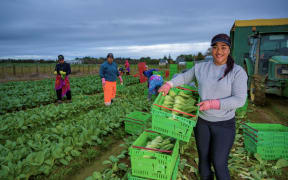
x=152 y=163
x=173 y=69
x=170 y=124
x=270 y=141
x=174 y=175
x=189 y=65
x=136 y=122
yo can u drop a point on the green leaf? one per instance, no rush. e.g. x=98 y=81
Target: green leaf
x=20 y=122
x=45 y=169
x=63 y=161
x=281 y=163
x=49 y=162
x=258 y=157
x=94 y=138
x=121 y=156
x=182 y=164
x=106 y=162
x=123 y=166
x=193 y=169
x=90 y=178
x=75 y=153
x=197 y=161
x=57 y=152
x=4 y=171
x=68 y=158
x=36 y=158
x=68 y=149
x=97 y=175
x=22 y=176
x=113 y=159
x=255 y=174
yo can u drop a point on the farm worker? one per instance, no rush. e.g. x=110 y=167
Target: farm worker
x=222 y=87
x=155 y=82
x=109 y=73
x=148 y=73
x=62 y=84
x=127 y=67
x=121 y=70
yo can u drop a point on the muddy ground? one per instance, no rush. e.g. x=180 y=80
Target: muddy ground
x=275 y=111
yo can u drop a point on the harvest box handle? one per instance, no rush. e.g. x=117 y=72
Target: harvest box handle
x=251 y=137
x=249 y=131
x=175 y=110
x=152 y=149
x=135 y=123
x=151 y=131
x=135 y=119
x=186 y=89
x=249 y=126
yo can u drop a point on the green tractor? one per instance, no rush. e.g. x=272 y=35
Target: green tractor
x=261 y=47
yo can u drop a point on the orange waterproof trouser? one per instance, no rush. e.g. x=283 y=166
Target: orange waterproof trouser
x=109 y=91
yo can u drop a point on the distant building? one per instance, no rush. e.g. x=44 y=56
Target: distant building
x=74 y=61
x=206 y=59
x=180 y=61
x=163 y=62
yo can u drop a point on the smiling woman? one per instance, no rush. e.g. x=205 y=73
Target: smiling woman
x=222 y=87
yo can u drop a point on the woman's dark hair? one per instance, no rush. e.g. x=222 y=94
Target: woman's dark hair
x=230 y=61
x=110 y=55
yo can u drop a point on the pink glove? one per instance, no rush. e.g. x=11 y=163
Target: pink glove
x=103 y=82
x=165 y=88
x=209 y=104
x=121 y=80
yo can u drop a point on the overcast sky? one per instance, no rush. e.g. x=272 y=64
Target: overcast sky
x=127 y=28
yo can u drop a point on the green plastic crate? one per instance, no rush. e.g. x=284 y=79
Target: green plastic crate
x=158 y=166
x=173 y=67
x=174 y=175
x=139 y=116
x=268 y=140
x=189 y=65
x=136 y=122
x=270 y=133
x=134 y=128
x=267 y=152
x=170 y=124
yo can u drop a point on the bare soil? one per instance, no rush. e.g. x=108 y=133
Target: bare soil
x=97 y=165
x=275 y=111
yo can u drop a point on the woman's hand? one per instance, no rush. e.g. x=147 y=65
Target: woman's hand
x=165 y=88
x=209 y=104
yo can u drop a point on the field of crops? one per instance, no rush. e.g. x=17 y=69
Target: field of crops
x=43 y=140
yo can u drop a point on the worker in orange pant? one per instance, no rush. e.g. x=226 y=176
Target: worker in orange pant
x=109 y=73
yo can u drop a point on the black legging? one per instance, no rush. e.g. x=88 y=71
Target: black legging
x=214 y=141
x=59 y=94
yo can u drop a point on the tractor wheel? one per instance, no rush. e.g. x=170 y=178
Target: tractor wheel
x=257 y=90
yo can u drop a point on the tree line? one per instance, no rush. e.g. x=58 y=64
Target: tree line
x=119 y=60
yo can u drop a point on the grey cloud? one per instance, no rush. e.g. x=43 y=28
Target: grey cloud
x=47 y=27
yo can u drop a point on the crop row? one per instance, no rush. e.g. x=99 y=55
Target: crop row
x=36 y=153
x=28 y=94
